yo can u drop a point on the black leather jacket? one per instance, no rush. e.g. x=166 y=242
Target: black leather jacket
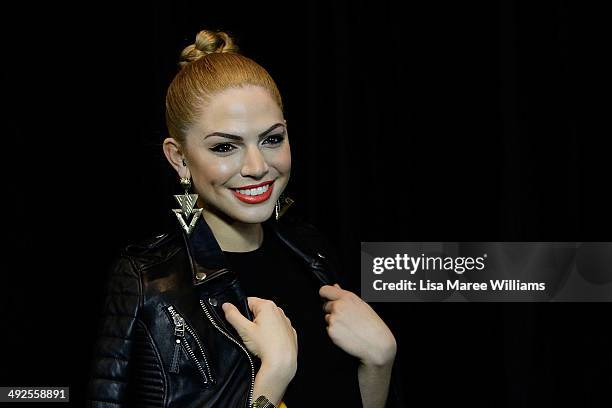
x=163 y=340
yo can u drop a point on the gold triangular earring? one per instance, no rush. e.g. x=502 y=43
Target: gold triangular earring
x=282 y=205
x=187 y=202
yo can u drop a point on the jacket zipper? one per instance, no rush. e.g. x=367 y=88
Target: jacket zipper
x=209 y=316
x=179 y=333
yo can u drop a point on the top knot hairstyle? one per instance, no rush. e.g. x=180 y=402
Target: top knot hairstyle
x=210 y=65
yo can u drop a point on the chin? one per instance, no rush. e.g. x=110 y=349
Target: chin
x=251 y=220
x=255 y=216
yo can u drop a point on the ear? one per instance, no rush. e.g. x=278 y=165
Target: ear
x=175 y=155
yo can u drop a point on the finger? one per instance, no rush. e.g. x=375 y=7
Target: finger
x=255 y=304
x=235 y=318
x=327 y=318
x=285 y=316
x=338 y=286
x=330 y=292
x=327 y=307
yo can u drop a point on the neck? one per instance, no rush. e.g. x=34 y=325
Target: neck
x=232 y=235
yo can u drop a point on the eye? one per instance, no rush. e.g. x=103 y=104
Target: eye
x=275 y=139
x=222 y=148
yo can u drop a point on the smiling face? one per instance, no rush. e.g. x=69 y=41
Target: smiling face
x=239 y=140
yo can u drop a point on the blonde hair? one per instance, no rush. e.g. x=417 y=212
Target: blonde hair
x=210 y=65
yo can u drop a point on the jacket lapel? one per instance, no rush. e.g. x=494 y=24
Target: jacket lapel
x=204 y=251
x=304 y=243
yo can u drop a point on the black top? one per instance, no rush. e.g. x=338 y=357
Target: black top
x=326 y=375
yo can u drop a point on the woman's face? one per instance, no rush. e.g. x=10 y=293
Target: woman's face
x=239 y=140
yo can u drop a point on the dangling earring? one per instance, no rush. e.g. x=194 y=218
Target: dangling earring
x=282 y=204
x=187 y=202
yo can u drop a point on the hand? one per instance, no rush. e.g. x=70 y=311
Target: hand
x=356 y=328
x=270 y=336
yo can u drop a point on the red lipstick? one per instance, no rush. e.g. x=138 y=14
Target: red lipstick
x=254 y=199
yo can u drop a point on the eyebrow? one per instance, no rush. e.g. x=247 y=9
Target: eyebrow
x=235 y=137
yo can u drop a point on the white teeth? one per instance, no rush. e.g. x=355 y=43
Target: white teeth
x=255 y=191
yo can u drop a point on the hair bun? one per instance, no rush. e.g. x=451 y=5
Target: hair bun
x=207 y=42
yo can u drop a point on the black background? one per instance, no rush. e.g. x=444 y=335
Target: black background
x=456 y=121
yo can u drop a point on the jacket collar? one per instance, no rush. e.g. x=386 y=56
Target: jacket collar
x=207 y=258
x=204 y=248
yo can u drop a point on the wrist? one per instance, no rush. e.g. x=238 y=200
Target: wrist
x=381 y=358
x=279 y=370
x=271 y=381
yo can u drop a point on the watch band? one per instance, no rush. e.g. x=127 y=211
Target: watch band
x=262 y=402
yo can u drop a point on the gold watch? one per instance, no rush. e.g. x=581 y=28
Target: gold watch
x=262 y=402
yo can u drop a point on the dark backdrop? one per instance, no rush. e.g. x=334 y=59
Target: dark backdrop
x=417 y=121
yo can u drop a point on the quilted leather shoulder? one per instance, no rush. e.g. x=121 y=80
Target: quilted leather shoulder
x=153 y=250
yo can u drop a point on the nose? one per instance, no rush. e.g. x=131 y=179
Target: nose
x=255 y=164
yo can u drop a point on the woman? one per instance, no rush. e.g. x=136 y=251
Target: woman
x=204 y=316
